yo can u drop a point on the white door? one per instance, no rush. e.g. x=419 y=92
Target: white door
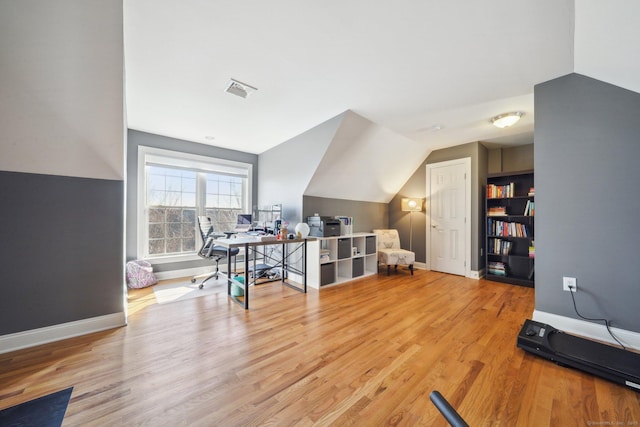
x=447 y=193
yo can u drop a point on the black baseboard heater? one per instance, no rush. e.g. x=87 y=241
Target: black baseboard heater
x=612 y=363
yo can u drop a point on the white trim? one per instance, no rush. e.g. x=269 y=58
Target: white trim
x=59 y=332
x=466 y=161
x=475 y=274
x=586 y=329
x=420 y=266
x=187 y=272
x=167 y=259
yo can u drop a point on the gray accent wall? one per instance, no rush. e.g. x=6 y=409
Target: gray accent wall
x=137 y=138
x=510 y=159
x=366 y=215
x=61 y=250
x=587 y=150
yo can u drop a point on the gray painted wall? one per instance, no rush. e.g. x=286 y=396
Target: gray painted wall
x=61 y=250
x=510 y=159
x=366 y=215
x=416 y=187
x=137 y=138
x=587 y=199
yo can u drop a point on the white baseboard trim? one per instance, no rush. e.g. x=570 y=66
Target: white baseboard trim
x=420 y=265
x=475 y=274
x=586 y=329
x=31 y=338
x=187 y=272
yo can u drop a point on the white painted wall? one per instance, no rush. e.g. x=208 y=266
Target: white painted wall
x=365 y=162
x=61 y=88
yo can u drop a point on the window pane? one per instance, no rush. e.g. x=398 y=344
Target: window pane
x=156 y=231
x=156 y=198
x=174 y=183
x=174 y=230
x=155 y=182
x=156 y=215
x=212 y=200
x=189 y=244
x=189 y=216
x=174 y=246
x=188 y=199
x=188 y=185
x=156 y=246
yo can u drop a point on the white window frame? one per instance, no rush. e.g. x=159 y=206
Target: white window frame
x=179 y=159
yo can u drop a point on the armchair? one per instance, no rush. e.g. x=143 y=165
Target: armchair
x=209 y=250
x=390 y=252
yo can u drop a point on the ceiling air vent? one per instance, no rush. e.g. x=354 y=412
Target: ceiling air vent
x=240 y=89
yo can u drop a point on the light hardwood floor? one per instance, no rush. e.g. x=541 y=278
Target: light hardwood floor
x=366 y=353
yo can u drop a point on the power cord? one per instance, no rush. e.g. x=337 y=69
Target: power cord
x=606 y=322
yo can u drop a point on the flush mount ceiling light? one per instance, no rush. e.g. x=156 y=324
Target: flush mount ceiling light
x=240 y=89
x=507 y=119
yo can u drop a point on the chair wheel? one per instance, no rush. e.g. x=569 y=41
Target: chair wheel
x=193 y=280
x=201 y=286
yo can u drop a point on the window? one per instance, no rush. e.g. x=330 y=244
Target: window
x=174 y=188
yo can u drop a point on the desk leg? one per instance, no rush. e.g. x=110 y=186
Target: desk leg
x=229 y=271
x=246 y=276
x=284 y=263
x=304 y=265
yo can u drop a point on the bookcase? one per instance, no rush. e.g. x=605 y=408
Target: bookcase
x=510 y=213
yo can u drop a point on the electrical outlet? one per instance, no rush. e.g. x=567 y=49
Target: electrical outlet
x=569 y=284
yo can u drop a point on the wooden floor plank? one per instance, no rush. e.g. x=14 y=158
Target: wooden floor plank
x=368 y=352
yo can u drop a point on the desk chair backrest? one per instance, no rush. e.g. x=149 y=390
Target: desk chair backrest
x=206 y=227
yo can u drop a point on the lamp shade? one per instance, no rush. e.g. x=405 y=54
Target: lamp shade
x=410 y=204
x=302 y=228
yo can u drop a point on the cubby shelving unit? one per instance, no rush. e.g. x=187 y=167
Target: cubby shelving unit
x=334 y=260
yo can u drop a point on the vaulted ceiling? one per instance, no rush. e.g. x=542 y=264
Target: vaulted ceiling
x=433 y=71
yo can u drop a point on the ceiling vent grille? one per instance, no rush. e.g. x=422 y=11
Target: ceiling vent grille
x=240 y=89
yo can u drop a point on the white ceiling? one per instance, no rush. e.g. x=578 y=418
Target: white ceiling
x=408 y=65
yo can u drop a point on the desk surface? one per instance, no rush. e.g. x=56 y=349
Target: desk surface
x=257 y=241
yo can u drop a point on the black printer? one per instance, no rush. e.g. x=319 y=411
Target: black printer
x=323 y=226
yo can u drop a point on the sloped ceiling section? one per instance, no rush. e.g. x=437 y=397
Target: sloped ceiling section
x=365 y=162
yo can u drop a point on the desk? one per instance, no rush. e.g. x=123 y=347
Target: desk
x=256 y=247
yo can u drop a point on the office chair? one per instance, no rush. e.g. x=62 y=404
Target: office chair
x=209 y=250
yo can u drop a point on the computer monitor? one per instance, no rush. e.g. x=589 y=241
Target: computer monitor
x=244 y=223
x=244 y=219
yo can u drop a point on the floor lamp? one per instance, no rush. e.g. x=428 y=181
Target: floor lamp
x=411 y=205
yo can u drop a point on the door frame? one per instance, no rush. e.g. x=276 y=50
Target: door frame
x=466 y=161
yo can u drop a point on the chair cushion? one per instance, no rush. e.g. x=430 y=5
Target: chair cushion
x=396 y=256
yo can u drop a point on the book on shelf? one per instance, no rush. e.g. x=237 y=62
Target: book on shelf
x=497 y=211
x=497 y=268
x=532 y=191
x=532 y=250
x=500 y=191
x=499 y=247
x=507 y=229
x=529 y=208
